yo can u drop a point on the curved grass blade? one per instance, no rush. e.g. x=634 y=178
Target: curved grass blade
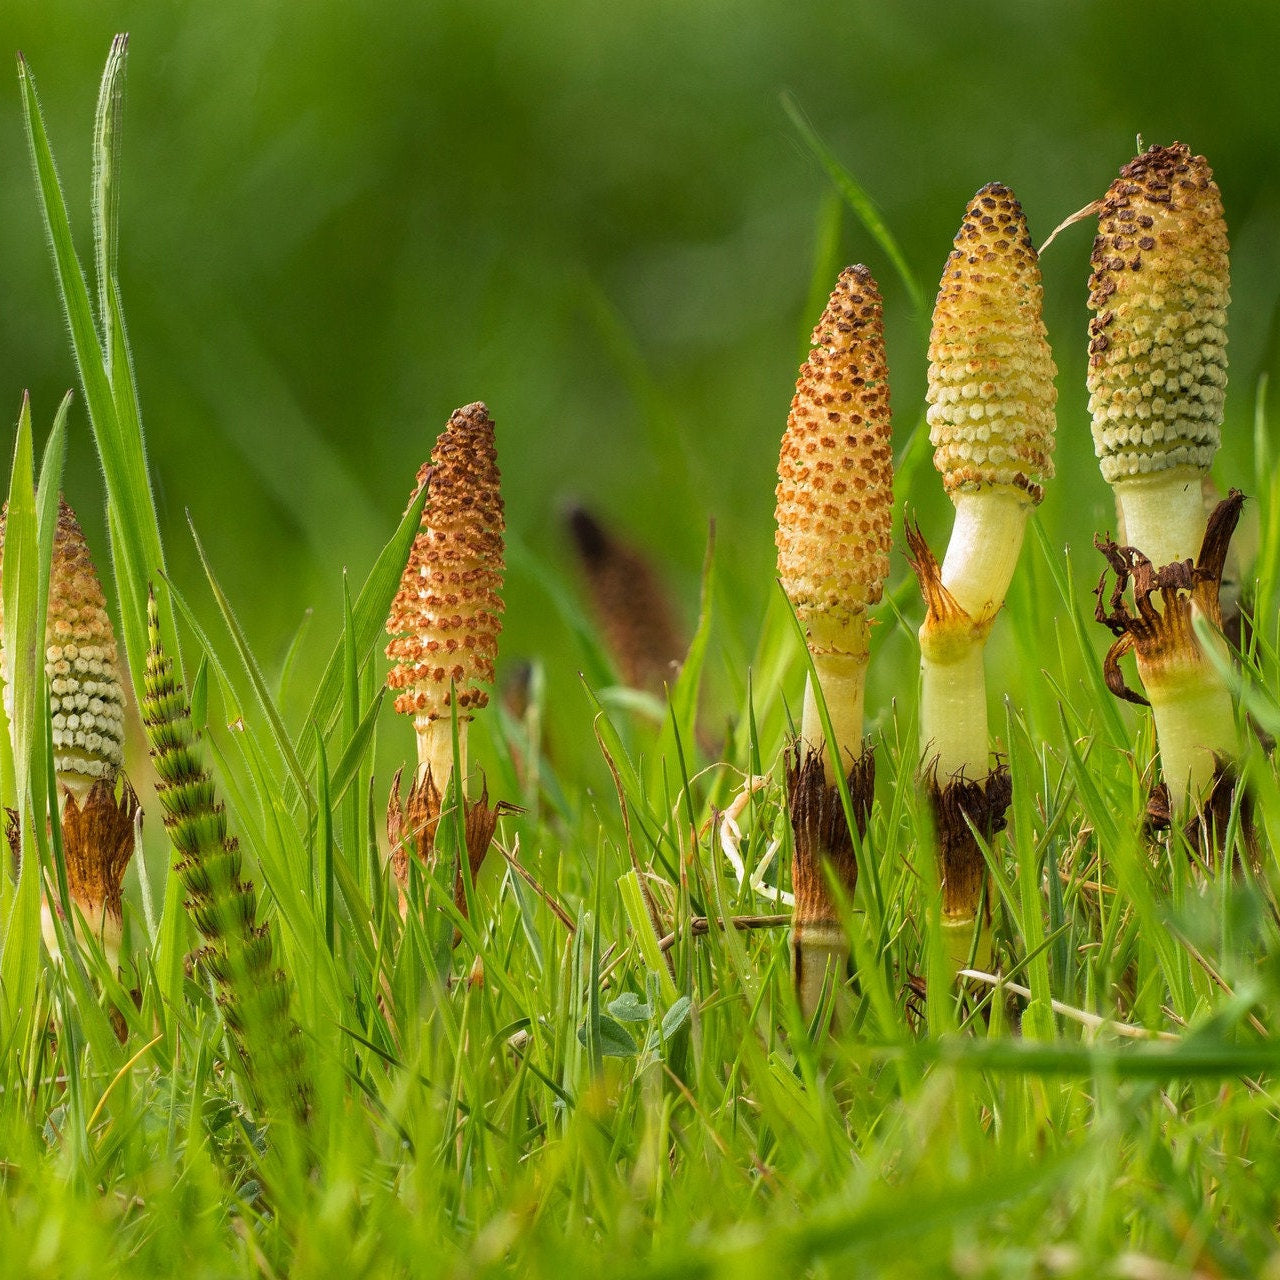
x=107 y=131
x=136 y=550
x=857 y=200
x=368 y=616
x=256 y=679
x=28 y=549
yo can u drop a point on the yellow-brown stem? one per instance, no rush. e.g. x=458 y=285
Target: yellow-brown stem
x=843 y=680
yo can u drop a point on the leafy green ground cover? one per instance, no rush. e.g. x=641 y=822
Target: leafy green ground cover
x=594 y=1078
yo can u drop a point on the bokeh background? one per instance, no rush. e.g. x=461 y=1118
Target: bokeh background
x=341 y=220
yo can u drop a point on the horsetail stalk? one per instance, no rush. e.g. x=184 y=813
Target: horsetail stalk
x=1157 y=379
x=834 y=514
x=1193 y=710
x=253 y=993
x=991 y=420
x=1158 y=346
x=86 y=707
x=444 y=626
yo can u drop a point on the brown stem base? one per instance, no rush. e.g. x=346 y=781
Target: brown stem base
x=1207 y=829
x=411 y=831
x=961 y=808
x=820 y=829
x=822 y=837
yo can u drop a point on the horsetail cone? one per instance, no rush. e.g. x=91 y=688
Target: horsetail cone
x=446 y=617
x=835 y=502
x=991 y=396
x=82 y=665
x=834 y=515
x=444 y=626
x=1158 y=345
x=991 y=421
x=86 y=705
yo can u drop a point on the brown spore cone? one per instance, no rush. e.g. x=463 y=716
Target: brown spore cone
x=835 y=468
x=82 y=662
x=447 y=616
x=1158 y=338
x=634 y=609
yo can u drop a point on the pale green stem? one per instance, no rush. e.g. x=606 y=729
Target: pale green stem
x=953 y=727
x=839 y=651
x=953 y=706
x=1163 y=514
x=101 y=924
x=821 y=958
x=979 y=564
x=843 y=678
x=1195 y=720
x=957 y=942
x=77 y=784
x=982 y=552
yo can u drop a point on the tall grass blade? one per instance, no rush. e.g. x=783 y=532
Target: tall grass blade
x=257 y=680
x=857 y=199
x=28 y=545
x=136 y=549
x=368 y=616
x=107 y=132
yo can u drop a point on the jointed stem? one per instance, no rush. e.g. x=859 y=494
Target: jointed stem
x=1164 y=515
x=435 y=749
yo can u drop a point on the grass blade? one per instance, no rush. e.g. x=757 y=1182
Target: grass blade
x=368 y=616
x=857 y=200
x=257 y=680
x=136 y=549
x=107 y=127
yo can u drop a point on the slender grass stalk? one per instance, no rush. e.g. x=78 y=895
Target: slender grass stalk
x=834 y=513
x=991 y=420
x=444 y=626
x=1157 y=379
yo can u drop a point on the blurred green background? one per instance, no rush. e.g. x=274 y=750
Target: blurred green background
x=341 y=220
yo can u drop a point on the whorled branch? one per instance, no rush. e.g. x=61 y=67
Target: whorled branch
x=253 y=992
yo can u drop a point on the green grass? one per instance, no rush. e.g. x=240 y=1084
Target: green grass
x=601 y=1083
